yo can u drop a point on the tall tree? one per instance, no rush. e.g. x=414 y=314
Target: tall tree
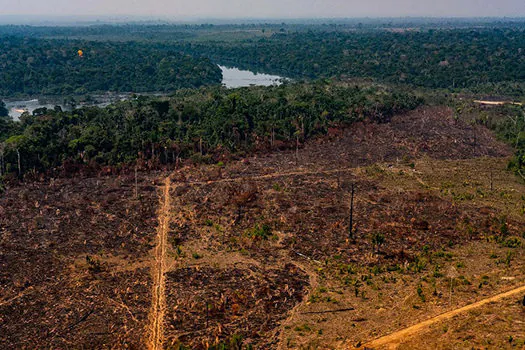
x=3 y=110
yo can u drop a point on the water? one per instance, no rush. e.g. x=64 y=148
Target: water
x=17 y=108
x=234 y=78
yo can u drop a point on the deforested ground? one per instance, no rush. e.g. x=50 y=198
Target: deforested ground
x=259 y=251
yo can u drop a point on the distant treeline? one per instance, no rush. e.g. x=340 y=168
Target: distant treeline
x=490 y=60
x=170 y=32
x=204 y=124
x=54 y=67
x=483 y=57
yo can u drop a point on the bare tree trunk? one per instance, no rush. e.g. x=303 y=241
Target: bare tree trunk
x=297 y=150
x=19 y=162
x=177 y=161
x=2 y=162
x=136 y=183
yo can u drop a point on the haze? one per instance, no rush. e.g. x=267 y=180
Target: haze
x=179 y=9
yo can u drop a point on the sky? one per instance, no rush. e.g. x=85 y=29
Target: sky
x=180 y=9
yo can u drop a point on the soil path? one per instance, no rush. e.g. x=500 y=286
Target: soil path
x=498 y=103
x=159 y=269
x=392 y=341
x=273 y=176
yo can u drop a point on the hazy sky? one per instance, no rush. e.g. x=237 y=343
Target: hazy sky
x=266 y=8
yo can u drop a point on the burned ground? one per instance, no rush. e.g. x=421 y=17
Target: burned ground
x=425 y=132
x=72 y=255
x=427 y=186
x=265 y=243
x=213 y=304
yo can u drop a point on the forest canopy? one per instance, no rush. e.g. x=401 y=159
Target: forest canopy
x=490 y=60
x=56 y=67
x=201 y=121
x=202 y=124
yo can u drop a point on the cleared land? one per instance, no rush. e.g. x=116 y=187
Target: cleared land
x=259 y=252
x=75 y=263
x=395 y=339
x=494 y=326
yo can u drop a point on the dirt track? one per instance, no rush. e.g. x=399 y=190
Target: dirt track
x=392 y=341
x=159 y=282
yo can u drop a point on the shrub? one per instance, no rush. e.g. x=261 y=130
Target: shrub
x=512 y=242
x=420 y=293
x=263 y=232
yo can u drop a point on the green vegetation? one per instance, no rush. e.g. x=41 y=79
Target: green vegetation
x=3 y=110
x=6 y=125
x=512 y=130
x=192 y=123
x=54 y=67
x=235 y=342
x=457 y=56
x=263 y=232
x=508 y=122
x=377 y=239
x=477 y=56
x=479 y=60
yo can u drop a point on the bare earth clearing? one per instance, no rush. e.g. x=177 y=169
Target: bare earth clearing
x=395 y=339
x=259 y=250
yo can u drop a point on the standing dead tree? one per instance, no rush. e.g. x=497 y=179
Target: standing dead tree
x=19 y=163
x=136 y=183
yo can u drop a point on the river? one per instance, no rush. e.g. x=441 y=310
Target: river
x=16 y=108
x=232 y=78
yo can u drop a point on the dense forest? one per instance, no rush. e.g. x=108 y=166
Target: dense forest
x=204 y=124
x=480 y=60
x=485 y=58
x=3 y=110
x=169 y=31
x=56 y=67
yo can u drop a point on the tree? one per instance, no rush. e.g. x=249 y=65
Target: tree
x=3 y=110
x=206 y=123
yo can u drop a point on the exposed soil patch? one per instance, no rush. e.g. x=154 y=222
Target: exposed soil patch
x=73 y=269
x=208 y=305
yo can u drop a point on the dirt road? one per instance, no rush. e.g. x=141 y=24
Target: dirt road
x=273 y=176
x=497 y=103
x=159 y=282
x=392 y=341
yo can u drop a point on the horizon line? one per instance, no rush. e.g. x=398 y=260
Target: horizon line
x=19 y=19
